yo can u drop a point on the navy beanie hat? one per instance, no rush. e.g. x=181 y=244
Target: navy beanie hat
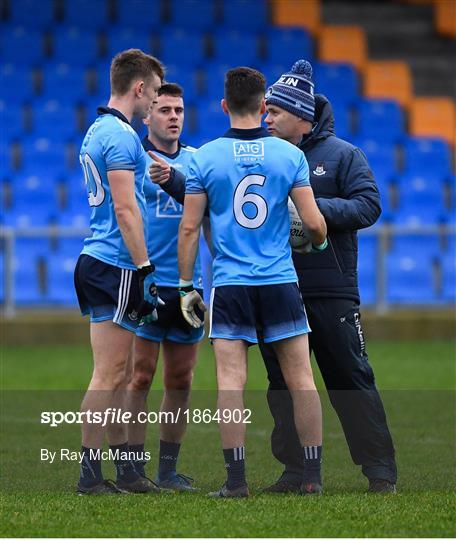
x=294 y=91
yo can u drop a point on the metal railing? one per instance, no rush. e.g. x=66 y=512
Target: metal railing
x=384 y=232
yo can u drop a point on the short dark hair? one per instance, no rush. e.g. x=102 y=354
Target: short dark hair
x=244 y=89
x=171 y=89
x=130 y=65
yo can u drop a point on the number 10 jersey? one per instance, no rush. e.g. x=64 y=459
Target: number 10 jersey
x=110 y=144
x=247 y=176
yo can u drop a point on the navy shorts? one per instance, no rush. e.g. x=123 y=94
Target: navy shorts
x=272 y=312
x=171 y=324
x=106 y=292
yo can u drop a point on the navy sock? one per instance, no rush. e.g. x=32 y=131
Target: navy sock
x=168 y=454
x=90 y=467
x=312 y=464
x=124 y=467
x=235 y=466
x=139 y=463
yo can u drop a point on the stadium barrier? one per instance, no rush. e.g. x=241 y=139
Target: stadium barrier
x=427 y=278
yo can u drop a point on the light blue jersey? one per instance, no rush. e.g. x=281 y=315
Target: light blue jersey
x=164 y=216
x=247 y=176
x=110 y=144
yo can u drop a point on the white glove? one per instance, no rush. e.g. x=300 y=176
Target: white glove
x=188 y=300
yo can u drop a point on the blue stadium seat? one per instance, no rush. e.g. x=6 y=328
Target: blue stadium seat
x=185 y=77
x=381 y=156
x=179 y=46
x=76 y=194
x=367 y=268
x=34 y=196
x=71 y=246
x=342 y=121
x=380 y=119
x=91 y=14
x=66 y=80
x=410 y=280
x=22 y=44
x=420 y=200
x=140 y=14
x=427 y=245
x=245 y=15
x=91 y=105
x=211 y=120
x=43 y=157
x=228 y=44
x=214 y=79
x=32 y=247
x=427 y=156
x=55 y=119
x=272 y=71
x=28 y=218
x=78 y=220
x=122 y=38
x=195 y=15
x=416 y=216
x=286 y=45
x=25 y=12
x=12 y=116
x=17 y=83
x=60 y=279
x=27 y=290
x=338 y=82
x=75 y=45
x=448 y=265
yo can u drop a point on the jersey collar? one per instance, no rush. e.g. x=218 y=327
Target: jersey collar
x=147 y=145
x=114 y=112
x=247 y=134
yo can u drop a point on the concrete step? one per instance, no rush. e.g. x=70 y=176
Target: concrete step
x=405 y=32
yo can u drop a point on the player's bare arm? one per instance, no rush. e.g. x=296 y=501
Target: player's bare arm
x=309 y=213
x=128 y=215
x=189 y=232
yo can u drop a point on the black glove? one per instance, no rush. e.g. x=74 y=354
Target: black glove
x=147 y=310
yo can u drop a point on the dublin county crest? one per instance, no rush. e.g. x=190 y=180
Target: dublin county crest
x=319 y=170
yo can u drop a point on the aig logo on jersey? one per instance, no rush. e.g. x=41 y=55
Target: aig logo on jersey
x=167 y=207
x=248 y=150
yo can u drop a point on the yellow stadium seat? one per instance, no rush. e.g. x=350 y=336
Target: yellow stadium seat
x=445 y=17
x=433 y=117
x=304 y=13
x=389 y=80
x=343 y=44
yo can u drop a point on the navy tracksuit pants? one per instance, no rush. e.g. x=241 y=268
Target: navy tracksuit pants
x=338 y=345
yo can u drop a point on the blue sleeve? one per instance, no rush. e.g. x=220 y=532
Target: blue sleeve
x=302 y=176
x=193 y=183
x=359 y=203
x=121 y=151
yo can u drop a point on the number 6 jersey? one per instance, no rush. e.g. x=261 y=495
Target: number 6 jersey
x=247 y=176
x=110 y=144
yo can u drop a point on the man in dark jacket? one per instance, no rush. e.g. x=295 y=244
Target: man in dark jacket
x=348 y=198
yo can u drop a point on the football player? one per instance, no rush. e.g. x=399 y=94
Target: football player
x=177 y=340
x=245 y=178
x=114 y=277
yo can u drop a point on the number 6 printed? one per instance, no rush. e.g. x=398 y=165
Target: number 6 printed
x=241 y=198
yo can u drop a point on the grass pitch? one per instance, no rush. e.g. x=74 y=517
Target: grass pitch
x=417 y=382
